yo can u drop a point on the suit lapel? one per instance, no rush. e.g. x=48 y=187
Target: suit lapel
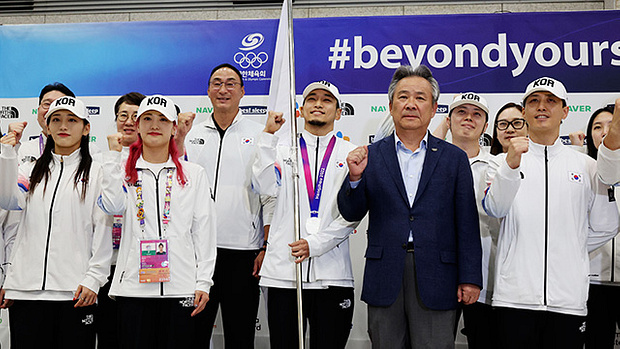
x=387 y=149
x=433 y=152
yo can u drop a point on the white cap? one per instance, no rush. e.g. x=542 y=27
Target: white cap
x=322 y=85
x=71 y=104
x=161 y=104
x=547 y=84
x=470 y=98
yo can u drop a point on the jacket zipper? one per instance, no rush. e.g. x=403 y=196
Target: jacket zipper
x=217 y=167
x=316 y=174
x=161 y=284
x=546 y=222
x=613 y=260
x=49 y=227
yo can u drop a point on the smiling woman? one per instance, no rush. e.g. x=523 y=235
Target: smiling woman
x=59 y=214
x=163 y=206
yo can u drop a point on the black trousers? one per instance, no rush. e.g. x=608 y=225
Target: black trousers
x=237 y=292
x=603 y=315
x=480 y=326
x=156 y=323
x=329 y=313
x=51 y=324
x=532 y=329
x=107 y=317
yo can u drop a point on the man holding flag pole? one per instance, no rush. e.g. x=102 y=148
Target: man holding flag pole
x=323 y=250
x=282 y=98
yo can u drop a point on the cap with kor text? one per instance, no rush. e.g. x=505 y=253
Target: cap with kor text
x=161 y=104
x=322 y=85
x=470 y=98
x=71 y=104
x=548 y=85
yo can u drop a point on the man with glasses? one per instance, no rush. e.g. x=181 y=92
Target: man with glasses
x=554 y=209
x=224 y=144
x=467 y=120
x=32 y=149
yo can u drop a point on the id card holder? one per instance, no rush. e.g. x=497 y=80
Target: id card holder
x=117 y=228
x=154 y=261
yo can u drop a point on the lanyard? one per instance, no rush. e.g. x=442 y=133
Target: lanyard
x=165 y=217
x=314 y=194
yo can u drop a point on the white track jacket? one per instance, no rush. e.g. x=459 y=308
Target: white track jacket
x=605 y=261
x=608 y=164
x=62 y=241
x=554 y=210
x=489 y=226
x=228 y=165
x=329 y=263
x=190 y=234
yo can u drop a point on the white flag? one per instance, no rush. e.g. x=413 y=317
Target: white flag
x=281 y=80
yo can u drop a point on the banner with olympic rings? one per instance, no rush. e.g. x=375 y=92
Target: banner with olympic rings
x=489 y=53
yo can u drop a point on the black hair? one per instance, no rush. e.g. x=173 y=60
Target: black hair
x=592 y=151
x=57 y=86
x=496 y=146
x=486 y=115
x=226 y=65
x=131 y=98
x=41 y=170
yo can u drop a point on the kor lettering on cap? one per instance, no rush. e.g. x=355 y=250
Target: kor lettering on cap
x=544 y=82
x=65 y=101
x=156 y=100
x=471 y=97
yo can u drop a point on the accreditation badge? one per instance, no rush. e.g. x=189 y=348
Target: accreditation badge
x=154 y=262
x=312 y=225
x=117 y=228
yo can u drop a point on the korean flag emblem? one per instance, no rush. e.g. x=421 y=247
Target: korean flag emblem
x=575 y=177
x=247 y=140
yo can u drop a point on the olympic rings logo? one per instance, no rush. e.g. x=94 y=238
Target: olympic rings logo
x=250 y=59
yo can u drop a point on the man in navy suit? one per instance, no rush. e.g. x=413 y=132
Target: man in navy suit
x=423 y=255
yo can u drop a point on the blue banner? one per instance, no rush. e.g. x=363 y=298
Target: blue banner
x=486 y=53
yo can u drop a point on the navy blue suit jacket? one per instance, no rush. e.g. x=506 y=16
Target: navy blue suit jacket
x=443 y=219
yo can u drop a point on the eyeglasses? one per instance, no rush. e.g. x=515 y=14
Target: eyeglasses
x=124 y=117
x=517 y=124
x=230 y=85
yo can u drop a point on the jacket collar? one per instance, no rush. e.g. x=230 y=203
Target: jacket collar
x=552 y=150
x=483 y=156
x=434 y=148
x=311 y=139
x=70 y=159
x=142 y=164
x=211 y=124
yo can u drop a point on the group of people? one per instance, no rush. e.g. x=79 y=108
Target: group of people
x=541 y=207
x=193 y=218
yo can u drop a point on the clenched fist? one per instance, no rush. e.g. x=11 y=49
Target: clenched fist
x=357 y=161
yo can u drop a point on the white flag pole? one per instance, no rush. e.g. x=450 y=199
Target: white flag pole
x=298 y=276
x=282 y=98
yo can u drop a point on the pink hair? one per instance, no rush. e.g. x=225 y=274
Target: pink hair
x=135 y=150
